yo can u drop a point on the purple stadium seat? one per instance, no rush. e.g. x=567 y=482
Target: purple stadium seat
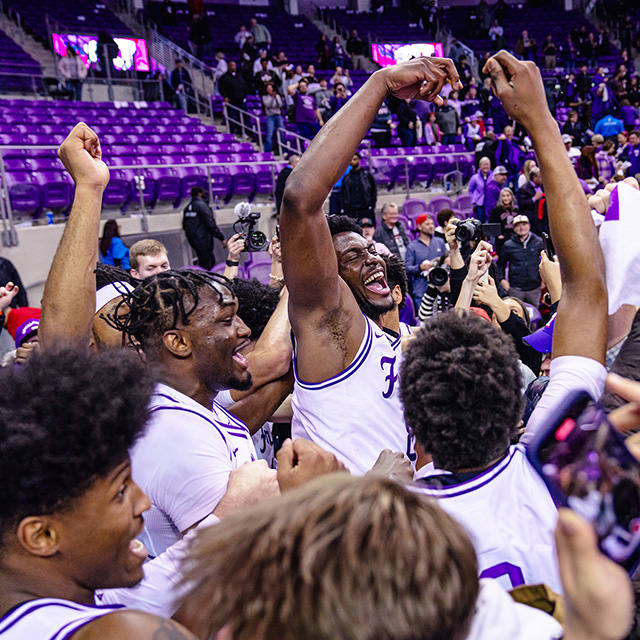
x=265 y=179
x=221 y=266
x=463 y=202
x=385 y=172
x=57 y=189
x=441 y=202
x=148 y=184
x=221 y=183
x=168 y=184
x=192 y=177
x=243 y=181
x=413 y=207
x=421 y=170
x=118 y=191
x=24 y=194
x=259 y=270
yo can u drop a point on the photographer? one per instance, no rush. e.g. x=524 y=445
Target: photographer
x=200 y=227
x=437 y=298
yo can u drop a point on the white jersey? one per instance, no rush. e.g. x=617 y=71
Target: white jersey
x=509 y=515
x=406 y=330
x=357 y=413
x=51 y=618
x=183 y=463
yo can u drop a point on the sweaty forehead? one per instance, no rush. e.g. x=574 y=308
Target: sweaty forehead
x=348 y=240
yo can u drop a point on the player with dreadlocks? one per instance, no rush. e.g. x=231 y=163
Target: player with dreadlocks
x=186 y=325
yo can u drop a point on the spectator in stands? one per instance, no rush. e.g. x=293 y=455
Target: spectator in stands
x=113 y=250
x=307 y=116
x=572 y=151
x=496 y=35
x=359 y=192
x=473 y=132
x=148 y=257
x=310 y=76
x=338 y=54
x=526 y=46
x=323 y=49
x=503 y=214
x=630 y=155
x=341 y=76
x=448 y=121
x=8 y=273
x=550 y=53
x=573 y=127
x=464 y=70
x=602 y=103
x=323 y=99
x=221 y=66
x=281 y=180
x=234 y=91
x=241 y=37
x=443 y=216
x=261 y=35
x=423 y=254
x=338 y=99
x=200 y=227
x=634 y=91
x=73 y=71
x=392 y=232
x=356 y=48
x=521 y=254
x=272 y=105
x=200 y=35
x=264 y=77
x=431 y=130
x=530 y=193
x=368 y=231
x=257 y=63
x=494 y=186
x=381 y=127
x=523 y=177
x=605 y=157
x=609 y=126
x=180 y=80
x=471 y=103
x=586 y=165
x=628 y=114
x=406 y=123
x=249 y=56
x=478 y=189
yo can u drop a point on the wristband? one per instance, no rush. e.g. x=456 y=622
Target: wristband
x=232 y=263
x=276 y=278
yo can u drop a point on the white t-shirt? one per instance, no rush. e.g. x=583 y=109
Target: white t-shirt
x=357 y=413
x=183 y=463
x=509 y=514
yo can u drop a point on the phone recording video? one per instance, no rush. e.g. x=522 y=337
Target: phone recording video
x=588 y=468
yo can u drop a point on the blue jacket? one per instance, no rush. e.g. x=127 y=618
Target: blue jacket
x=609 y=126
x=117 y=255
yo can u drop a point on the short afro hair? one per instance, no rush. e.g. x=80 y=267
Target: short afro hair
x=107 y=274
x=343 y=224
x=461 y=388
x=397 y=275
x=69 y=417
x=256 y=303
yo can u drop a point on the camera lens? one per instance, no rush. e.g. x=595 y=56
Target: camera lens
x=256 y=241
x=438 y=276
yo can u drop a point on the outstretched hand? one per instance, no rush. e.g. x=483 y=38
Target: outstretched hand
x=518 y=85
x=480 y=261
x=422 y=78
x=7 y=294
x=81 y=155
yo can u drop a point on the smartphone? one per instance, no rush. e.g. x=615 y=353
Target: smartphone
x=278 y=232
x=587 y=467
x=547 y=245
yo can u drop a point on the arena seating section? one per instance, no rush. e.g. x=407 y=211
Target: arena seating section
x=14 y=63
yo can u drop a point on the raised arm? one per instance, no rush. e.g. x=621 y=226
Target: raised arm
x=581 y=323
x=68 y=303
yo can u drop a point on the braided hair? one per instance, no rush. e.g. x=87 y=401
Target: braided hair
x=160 y=302
x=107 y=274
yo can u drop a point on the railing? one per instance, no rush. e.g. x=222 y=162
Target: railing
x=241 y=121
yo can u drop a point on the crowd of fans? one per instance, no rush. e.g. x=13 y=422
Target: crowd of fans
x=191 y=455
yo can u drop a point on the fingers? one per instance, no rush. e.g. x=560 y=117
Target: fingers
x=499 y=81
x=447 y=65
x=627 y=389
x=508 y=63
x=285 y=456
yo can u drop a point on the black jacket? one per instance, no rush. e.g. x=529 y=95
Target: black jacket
x=281 y=181
x=355 y=183
x=523 y=262
x=385 y=235
x=199 y=223
x=233 y=87
x=8 y=273
x=526 y=204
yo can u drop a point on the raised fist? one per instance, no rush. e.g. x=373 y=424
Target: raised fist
x=82 y=157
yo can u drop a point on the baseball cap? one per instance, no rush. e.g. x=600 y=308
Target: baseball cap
x=520 y=218
x=566 y=138
x=422 y=218
x=366 y=222
x=542 y=339
x=479 y=311
x=22 y=323
x=500 y=170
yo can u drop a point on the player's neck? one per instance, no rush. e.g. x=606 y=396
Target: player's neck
x=189 y=386
x=391 y=320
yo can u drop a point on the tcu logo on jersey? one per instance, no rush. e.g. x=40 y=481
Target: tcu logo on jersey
x=392 y=378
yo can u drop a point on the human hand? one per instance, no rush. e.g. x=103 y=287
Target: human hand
x=274 y=250
x=426 y=265
x=597 y=592
x=601 y=200
x=7 y=294
x=235 y=246
x=300 y=461
x=450 y=233
x=480 y=261
x=249 y=484
x=626 y=417
x=82 y=157
x=421 y=78
x=411 y=125
x=25 y=351
x=393 y=465
x=224 y=244
x=519 y=87
x=550 y=275
x=487 y=293
x=537 y=196
x=505 y=284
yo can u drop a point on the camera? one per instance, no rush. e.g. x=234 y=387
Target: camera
x=472 y=229
x=438 y=276
x=254 y=240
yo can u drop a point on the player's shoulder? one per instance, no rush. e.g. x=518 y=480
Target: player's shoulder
x=132 y=624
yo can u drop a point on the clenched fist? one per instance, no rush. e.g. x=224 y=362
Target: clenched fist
x=82 y=157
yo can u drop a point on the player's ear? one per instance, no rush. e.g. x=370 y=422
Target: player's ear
x=39 y=535
x=177 y=342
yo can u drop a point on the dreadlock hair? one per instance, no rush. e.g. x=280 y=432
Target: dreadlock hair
x=106 y=274
x=343 y=224
x=160 y=302
x=397 y=275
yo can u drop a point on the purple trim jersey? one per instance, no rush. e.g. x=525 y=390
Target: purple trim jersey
x=51 y=618
x=509 y=515
x=357 y=413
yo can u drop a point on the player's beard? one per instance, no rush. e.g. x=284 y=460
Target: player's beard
x=371 y=309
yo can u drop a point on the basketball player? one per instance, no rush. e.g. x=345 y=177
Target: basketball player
x=399 y=285
x=473 y=406
x=346 y=369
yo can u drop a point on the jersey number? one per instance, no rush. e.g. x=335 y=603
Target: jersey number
x=514 y=573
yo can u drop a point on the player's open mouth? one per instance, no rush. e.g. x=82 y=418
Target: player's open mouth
x=239 y=358
x=377 y=284
x=138 y=549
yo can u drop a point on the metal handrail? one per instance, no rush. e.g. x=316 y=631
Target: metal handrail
x=241 y=122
